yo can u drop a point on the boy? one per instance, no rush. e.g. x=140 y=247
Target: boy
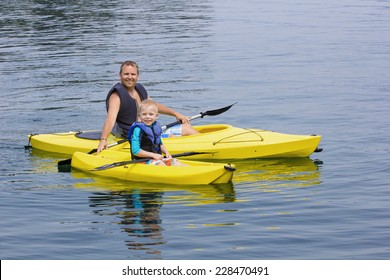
x=145 y=136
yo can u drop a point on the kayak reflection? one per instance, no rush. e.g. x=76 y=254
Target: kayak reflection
x=273 y=173
x=136 y=213
x=136 y=207
x=183 y=194
x=284 y=172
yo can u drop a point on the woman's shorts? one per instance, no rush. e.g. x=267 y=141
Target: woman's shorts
x=172 y=131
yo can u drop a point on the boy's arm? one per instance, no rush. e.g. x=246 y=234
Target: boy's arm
x=165 y=151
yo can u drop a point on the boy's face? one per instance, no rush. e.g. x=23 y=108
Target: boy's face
x=148 y=114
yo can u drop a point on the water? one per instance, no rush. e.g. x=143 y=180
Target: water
x=298 y=67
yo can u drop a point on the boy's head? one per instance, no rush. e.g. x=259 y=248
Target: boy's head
x=148 y=111
x=148 y=104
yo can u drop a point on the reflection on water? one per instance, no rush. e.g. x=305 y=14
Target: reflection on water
x=262 y=173
x=138 y=216
x=44 y=162
x=189 y=195
x=134 y=208
x=137 y=206
x=276 y=173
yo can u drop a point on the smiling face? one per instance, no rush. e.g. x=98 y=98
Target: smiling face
x=148 y=113
x=129 y=76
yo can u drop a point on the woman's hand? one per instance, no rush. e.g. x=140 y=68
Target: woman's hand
x=182 y=118
x=102 y=146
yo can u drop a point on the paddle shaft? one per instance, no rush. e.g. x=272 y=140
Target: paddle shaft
x=179 y=122
x=69 y=160
x=200 y=115
x=109 y=146
x=121 y=163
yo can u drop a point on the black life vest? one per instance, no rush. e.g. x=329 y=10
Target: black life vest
x=127 y=114
x=150 y=139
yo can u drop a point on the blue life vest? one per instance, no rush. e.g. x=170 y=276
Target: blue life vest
x=127 y=114
x=150 y=137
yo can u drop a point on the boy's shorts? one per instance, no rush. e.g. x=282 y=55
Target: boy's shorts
x=172 y=131
x=173 y=161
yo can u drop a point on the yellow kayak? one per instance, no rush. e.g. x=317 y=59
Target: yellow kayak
x=194 y=173
x=215 y=141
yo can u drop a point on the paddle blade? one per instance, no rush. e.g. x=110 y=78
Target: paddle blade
x=217 y=111
x=65 y=166
x=201 y=115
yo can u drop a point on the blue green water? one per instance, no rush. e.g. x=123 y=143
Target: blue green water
x=293 y=66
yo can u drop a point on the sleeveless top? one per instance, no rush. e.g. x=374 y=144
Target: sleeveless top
x=127 y=114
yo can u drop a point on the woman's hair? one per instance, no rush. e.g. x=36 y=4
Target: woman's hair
x=129 y=63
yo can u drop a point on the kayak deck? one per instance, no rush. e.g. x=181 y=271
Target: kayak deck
x=68 y=142
x=242 y=143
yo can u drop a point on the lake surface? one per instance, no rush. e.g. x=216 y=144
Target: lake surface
x=299 y=67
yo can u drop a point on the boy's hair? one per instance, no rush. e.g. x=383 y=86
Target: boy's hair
x=146 y=103
x=129 y=63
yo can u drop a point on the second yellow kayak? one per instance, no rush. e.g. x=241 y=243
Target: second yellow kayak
x=194 y=173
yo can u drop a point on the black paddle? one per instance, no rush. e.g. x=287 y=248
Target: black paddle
x=69 y=160
x=63 y=165
x=121 y=163
x=201 y=115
